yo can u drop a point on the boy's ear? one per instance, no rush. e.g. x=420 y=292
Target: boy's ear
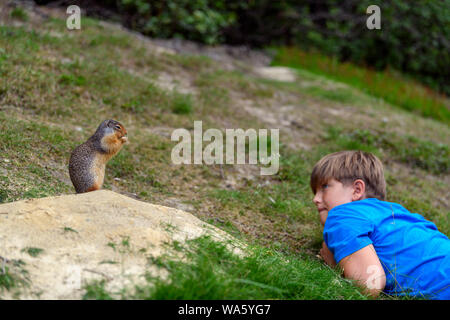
x=359 y=190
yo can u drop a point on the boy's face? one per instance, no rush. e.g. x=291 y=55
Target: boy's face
x=330 y=195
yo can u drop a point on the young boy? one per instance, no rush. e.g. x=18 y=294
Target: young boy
x=379 y=244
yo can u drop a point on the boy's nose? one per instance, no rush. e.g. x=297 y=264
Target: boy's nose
x=317 y=199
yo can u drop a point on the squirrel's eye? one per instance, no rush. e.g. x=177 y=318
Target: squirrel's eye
x=117 y=127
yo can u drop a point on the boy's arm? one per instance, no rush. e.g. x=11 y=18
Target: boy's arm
x=327 y=255
x=364 y=266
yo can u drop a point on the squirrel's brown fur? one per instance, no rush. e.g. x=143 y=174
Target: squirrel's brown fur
x=88 y=160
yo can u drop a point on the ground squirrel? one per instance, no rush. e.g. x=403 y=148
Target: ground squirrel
x=88 y=160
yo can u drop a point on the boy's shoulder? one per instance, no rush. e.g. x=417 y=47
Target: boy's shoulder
x=371 y=210
x=369 y=205
x=376 y=212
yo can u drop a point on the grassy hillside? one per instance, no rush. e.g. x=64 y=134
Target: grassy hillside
x=388 y=85
x=56 y=86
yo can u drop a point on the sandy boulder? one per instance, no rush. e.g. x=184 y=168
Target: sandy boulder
x=61 y=243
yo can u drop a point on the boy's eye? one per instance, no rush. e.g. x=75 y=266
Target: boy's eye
x=324 y=186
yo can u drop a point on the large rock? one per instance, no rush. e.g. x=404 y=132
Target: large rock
x=84 y=237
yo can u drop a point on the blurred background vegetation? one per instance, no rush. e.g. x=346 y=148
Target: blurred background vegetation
x=414 y=38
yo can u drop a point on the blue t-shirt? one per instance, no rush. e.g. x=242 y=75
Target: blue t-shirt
x=415 y=256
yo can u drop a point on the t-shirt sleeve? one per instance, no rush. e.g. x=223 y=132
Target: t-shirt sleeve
x=347 y=231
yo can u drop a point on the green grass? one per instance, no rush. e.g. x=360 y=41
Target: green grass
x=96 y=290
x=224 y=81
x=413 y=151
x=395 y=89
x=285 y=215
x=68 y=229
x=3 y=195
x=19 y=13
x=190 y=62
x=34 y=252
x=69 y=79
x=26 y=145
x=212 y=271
x=182 y=103
x=339 y=95
x=13 y=277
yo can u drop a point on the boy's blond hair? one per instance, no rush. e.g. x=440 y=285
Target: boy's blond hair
x=346 y=167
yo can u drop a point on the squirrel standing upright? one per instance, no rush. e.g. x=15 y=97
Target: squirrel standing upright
x=88 y=160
